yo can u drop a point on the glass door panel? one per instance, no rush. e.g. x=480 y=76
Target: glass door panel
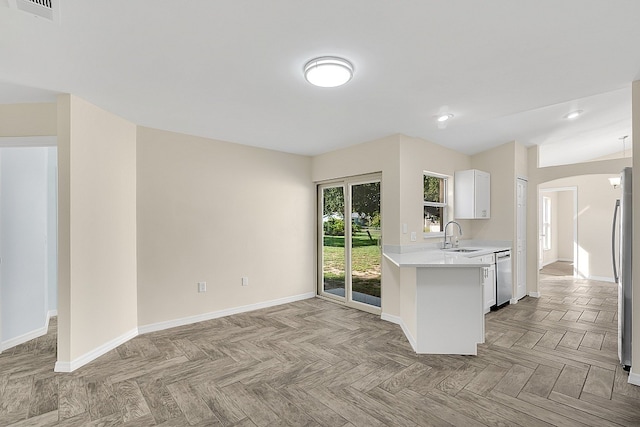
x=365 y=255
x=333 y=242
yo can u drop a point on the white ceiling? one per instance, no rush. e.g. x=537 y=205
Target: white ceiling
x=232 y=69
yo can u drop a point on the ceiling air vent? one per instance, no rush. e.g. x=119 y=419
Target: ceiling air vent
x=48 y=9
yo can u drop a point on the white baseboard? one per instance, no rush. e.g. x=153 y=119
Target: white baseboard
x=534 y=294
x=5 y=345
x=398 y=321
x=513 y=301
x=95 y=353
x=634 y=379
x=71 y=366
x=153 y=327
x=601 y=279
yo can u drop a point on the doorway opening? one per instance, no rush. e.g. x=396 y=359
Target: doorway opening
x=558 y=229
x=28 y=238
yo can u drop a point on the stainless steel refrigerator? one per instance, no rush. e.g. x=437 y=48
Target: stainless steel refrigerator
x=621 y=252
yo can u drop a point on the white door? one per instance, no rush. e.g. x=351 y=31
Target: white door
x=349 y=250
x=521 y=238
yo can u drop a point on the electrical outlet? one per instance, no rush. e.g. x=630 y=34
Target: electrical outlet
x=414 y=236
x=245 y=281
x=202 y=286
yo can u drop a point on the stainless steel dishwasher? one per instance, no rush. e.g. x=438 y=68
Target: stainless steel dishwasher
x=504 y=282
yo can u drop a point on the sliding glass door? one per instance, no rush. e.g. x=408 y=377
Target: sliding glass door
x=350 y=239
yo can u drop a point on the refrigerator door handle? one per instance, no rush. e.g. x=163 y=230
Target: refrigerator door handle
x=613 y=242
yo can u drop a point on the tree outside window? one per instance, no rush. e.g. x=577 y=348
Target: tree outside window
x=435 y=203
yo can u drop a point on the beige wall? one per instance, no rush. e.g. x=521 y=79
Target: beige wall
x=97 y=214
x=417 y=156
x=402 y=161
x=28 y=119
x=539 y=176
x=211 y=211
x=381 y=155
x=596 y=200
x=500 y=163
x=506 y=163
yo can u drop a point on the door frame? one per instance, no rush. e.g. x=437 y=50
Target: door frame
x=574 y=212
x=347 y=183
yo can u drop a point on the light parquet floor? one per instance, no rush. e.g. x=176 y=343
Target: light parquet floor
x=546 y=361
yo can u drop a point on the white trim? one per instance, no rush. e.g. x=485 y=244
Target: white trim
x=634 y=379
x=153 y=327
x=95 y=353
x=534 y=294
x=5 y=345
x=28 y=141
x=513 y=301
x=601 y=279
x=398 y=321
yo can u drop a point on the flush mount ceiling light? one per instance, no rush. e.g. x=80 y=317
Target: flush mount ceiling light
x=328 y=71
x=444 y=117
x=572 y=115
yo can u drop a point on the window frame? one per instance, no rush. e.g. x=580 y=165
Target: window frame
x=442 y=204
x=546 y=223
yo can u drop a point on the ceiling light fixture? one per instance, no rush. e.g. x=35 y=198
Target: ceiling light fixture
x=572 y=115
x=615 y=181
x=444 y=117
x=328 y=71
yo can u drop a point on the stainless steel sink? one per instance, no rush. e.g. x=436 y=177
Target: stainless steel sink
x=461 y=250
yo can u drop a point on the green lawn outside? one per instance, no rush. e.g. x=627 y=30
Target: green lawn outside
x=365 y=262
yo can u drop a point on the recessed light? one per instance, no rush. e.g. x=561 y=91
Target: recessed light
x=328 y=71
x=573 y=114
x=444 y=117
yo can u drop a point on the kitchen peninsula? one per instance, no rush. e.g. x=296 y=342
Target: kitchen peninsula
x=448 y=315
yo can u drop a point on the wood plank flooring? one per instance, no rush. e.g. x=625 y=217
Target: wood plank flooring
x=546 y=361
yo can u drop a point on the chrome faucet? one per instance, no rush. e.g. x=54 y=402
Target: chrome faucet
x=446 y=245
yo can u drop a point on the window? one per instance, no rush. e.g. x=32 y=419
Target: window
x=435 y=203
x=546 y=223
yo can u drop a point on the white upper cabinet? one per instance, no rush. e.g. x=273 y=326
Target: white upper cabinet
x=472 y=194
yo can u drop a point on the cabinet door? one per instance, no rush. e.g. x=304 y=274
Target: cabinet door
x=482 y=194
x=490 y=289
x=472 y=194
x=463 y=194
x=489 y=282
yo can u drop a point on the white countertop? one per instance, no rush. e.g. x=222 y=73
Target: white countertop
x=431 y=256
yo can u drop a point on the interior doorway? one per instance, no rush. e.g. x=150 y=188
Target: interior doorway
x=349 y=236
x=558 y=227
x=28 y=239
